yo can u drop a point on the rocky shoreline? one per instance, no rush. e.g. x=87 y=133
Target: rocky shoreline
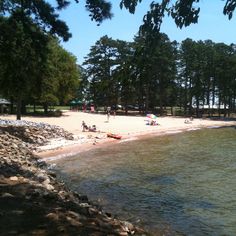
x=33 y=201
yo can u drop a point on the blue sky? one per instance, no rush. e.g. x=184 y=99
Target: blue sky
x=212 y=25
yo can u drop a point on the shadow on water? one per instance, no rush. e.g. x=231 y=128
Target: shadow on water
x=27 y=209
x=156 y=211
x=180 y=184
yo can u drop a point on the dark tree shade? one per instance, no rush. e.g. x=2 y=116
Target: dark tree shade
x=40 y=12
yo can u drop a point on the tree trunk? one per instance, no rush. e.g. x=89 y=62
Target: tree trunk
x=45 y=107
x=197 y=109
x=161 y=105
x=185 y=96
x=233 y=105
x=219 y=106
x=23 y=108
x=225 y=110
x=18 y=108
x=12 y=106
x=147 y=100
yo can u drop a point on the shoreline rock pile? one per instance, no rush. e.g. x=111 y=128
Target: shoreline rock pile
x=34 y=202
x=33 y=134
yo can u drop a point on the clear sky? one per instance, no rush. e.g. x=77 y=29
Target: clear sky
x=212 y=25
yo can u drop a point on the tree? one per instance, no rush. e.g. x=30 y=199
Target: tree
x=207 y=75
x=100 y=64
x=22 y=51
x=60 y=78
x=184 y=12
x=225 y=75
x=124 y=73
x=155 y=56
x=24 y=41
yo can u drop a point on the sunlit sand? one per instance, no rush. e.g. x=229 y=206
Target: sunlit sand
x=129 y=127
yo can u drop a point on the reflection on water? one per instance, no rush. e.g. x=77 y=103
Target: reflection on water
x=182 y=183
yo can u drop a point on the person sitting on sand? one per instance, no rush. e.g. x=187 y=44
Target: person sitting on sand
x=93 y=128
x=84 y=126
x=153 y=122
x=187 y=121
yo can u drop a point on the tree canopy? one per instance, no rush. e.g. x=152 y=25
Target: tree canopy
x=192 y=76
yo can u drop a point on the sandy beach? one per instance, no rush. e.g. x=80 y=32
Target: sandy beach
x=129 y=127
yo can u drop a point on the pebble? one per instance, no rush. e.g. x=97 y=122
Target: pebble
x=14 y=178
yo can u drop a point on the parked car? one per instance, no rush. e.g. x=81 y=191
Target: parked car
x=132 y=107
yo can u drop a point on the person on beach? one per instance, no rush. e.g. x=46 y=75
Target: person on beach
x=114 y=113
x=84 y=108
x=92 y=108
x=113 y=109
x=93 y=128
x=187 y=121
x=84 y=126
x=108 y=113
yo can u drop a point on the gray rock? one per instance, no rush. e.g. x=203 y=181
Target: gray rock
x=7 y=195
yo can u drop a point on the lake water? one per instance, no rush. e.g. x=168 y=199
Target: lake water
x=178 y=184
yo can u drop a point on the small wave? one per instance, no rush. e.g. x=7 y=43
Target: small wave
x=128 y=139
x=173 y=132
x=58 y=157
x=191 y=129
x=213 y=127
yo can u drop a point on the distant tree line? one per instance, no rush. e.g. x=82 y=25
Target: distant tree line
x=153 y=73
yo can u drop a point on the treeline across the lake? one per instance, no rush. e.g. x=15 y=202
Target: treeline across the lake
x=152 y=73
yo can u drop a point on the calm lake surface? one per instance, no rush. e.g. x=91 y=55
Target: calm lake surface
x=179 y=184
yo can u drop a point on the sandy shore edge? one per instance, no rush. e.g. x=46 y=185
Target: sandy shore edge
x=129 y=127
x=67 y=150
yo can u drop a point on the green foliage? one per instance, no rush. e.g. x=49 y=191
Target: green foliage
x=153 y=73
x=32 y=68
x=60 y=77
x=155 y=60
x=41 y=13
x=207 y=75
x=22 y=53
x=23 y=44
x=100 y=63
x=99 y=10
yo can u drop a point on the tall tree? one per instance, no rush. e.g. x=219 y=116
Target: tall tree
x=124 y=73
x=186 y=71
x=156 y=63
x=100 y=64
x=23 y=33
x=60 y=78
x=22 y=51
